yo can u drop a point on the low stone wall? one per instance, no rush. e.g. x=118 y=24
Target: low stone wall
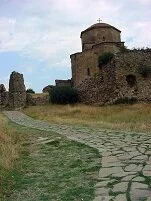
x=40 y=99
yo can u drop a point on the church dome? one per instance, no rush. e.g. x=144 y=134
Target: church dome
x=99 y=33
x=100 y=25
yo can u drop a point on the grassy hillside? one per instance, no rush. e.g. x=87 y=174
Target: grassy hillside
x=124 y=117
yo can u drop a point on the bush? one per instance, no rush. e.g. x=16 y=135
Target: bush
x=105 y=58
x=31 y=91
x=144 y=70
x=63 y=95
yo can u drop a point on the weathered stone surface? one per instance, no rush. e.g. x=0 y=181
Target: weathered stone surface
x=103 y=198
x=138 y=179
x=104 y=172
x=128 y=178
x=17 y=91
x=139 y=191
x=133 y=168
x=120 y=187
x=106 y=153
x=47 y=89
x=67 y=83
x=137 y=185
x=102 y=184
x=30 y=100
x=109 y=161
x=124 y=156
x=120 y=197
x=41 y=99
x=2 y=88
x=3 y=96
x=147 y=173
x=102 y=191
x=109 y=85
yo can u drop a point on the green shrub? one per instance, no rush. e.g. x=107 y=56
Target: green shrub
x=144 y=70
x=105 y=58
x=126 y=100
x=31 y=91
x=63 y=95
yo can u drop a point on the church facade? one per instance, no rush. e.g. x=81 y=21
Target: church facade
x=126 y=78
x=97 y=39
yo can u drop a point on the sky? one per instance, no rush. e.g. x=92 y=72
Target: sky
x=37 y=37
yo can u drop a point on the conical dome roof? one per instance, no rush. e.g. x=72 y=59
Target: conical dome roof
x=100 y=25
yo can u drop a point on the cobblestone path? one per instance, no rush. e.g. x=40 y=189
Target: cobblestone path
x=125 y=173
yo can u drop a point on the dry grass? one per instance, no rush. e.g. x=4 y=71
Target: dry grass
x=39 y=95
x=9 y=153
x=124 y=117
x=8 y=145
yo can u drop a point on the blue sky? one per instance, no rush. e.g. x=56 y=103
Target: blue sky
x=38 y=36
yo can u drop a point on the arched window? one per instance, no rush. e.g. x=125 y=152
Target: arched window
x=131 y=80
x=88 y=71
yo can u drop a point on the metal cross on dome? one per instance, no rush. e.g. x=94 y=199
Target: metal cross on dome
x=99 y=20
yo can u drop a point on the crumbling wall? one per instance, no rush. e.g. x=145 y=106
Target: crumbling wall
x=99 y=89
x=17 y=91
x=67 y=83
x=3 y=96
x=129 y=79
x=118 y=80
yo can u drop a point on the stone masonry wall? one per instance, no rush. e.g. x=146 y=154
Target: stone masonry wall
x=119 y=79
x=17 y=91
x=3 y=96
x=67 y=83
x=99 y=35
x=99 y=89
x=129 y=64
x=81 y=62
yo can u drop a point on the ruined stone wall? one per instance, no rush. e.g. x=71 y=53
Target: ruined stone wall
x=38 y=99
x=118 y=80
x=4 y=95
x=17 y=91
x=80 y=65
x=67 y=83
x=85 y=64
x=129 y=64
x=99 y=89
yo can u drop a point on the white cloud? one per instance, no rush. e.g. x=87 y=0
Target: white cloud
x=50 y=29
x=144 y=2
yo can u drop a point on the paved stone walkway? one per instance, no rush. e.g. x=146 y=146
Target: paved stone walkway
x=125 y=173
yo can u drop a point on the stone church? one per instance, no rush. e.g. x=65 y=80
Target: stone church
x=126 y=77
x=95 y=40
